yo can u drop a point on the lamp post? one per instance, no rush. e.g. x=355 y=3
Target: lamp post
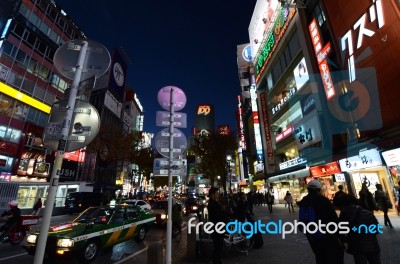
x=228 y=160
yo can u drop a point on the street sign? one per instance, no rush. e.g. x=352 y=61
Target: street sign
x=96 y=62
x=85 y=125
x=163 y=119
x=161 y=167
x=164 y=98
x=179 y=142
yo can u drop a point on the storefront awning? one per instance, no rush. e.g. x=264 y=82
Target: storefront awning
x=290 y=175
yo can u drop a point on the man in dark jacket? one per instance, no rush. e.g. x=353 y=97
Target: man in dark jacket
x=364 y=246
x=337 y=196
x=215 y=215
x=326 y=247
x=382 y=199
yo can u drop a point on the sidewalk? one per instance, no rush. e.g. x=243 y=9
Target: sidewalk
x=293 y=249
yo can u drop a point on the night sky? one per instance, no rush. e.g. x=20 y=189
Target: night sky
x=188 y=44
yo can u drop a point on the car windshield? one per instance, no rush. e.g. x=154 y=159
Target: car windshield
x=161 y=205
x=93 y=213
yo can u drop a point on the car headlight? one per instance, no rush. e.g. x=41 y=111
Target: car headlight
x=164 y=216
x=31 y=239
x=65 y=242
x=194 y=207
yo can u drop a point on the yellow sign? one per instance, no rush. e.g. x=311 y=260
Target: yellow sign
x=203 y=110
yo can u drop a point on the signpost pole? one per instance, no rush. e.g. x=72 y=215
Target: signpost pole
x=171 y=146
x=44 y=230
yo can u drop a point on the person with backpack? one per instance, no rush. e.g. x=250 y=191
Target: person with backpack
x=364 y=246
x=384 y=203
x=315 y=207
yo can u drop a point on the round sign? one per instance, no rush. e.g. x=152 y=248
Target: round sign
x=97 y=59
x=164 y=98
x=85 y=125
x=179 y=142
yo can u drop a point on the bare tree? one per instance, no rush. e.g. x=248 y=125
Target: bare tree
x=212 y=149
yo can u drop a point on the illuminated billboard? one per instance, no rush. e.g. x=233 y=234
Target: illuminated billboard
x=261 y=21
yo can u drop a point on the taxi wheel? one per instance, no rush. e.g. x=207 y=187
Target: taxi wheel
x=89 y=252
x=141 y=234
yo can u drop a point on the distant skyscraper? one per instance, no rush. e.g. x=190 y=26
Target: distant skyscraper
x=205 y=119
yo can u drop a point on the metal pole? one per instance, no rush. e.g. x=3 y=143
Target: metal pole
x=44 y=230
x=230 y=177
x=171 y=146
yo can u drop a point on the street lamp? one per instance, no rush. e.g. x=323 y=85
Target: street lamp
x=228 y=160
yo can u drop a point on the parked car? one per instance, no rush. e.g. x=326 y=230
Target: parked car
x=77 y=202
x=94 y=229
x=143 y=204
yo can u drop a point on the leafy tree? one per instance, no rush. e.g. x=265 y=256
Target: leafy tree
x=114 y=148
x=212 y=150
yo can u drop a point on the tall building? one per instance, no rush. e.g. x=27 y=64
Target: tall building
x=29 y=85
x=251 y=151
x=204 y=119
x=32 y=31
x=323 y=74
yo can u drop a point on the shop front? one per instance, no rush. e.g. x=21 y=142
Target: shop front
x=293 y=182
x=330 y=177
x=392 y=161
x=367 y=167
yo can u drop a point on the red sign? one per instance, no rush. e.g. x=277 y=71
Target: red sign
x=327 y=169
x=322 y=54
x=326 y=79
x=267 y=132
x=315 y=36
x=288 y=131
x=8 y=148
x=77 y=156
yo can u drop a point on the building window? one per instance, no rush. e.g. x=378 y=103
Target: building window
x=18 y=30
x=61 y=23
x=52 y=14
x=34 y=19
x=318 y=13
x=44 y=28
x=28 y=86
x=50 y=98
x=24 y=10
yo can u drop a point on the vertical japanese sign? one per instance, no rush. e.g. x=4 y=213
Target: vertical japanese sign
x=322 y=54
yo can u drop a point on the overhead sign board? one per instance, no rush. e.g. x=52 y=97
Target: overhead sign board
x=163 y=119
x=163 y=139
x=97 y=61
x=164 y=98
x=161 y=167
x=85 y=125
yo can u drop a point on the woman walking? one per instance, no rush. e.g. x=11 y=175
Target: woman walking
x=289 y=201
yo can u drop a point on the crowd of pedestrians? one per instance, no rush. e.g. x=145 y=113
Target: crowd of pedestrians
x=315 y=207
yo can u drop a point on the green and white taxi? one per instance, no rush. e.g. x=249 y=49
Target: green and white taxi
x=94 y=229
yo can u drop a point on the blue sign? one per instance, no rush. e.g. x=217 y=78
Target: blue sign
x=246 y=53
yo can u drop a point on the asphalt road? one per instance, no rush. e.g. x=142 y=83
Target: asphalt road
x=16 y=254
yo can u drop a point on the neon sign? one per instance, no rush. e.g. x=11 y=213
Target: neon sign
x=322 y=54
x=281 y=25
x=203 y=110
x=375 y=13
